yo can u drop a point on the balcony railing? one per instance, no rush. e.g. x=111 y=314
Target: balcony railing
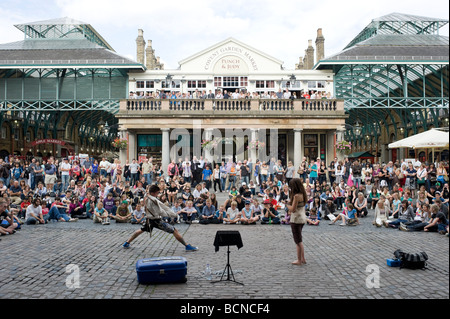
x=193 y=106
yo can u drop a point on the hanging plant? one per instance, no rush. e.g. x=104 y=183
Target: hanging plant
x=344 y=147
x=120 y=143
x=210 y=144
x=255 y=145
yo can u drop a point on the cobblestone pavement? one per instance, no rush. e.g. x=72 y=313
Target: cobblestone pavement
x=34 y=260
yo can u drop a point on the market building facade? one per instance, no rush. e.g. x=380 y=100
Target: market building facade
x=165 y=102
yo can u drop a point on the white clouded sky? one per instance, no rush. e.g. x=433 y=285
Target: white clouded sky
x=181 y=28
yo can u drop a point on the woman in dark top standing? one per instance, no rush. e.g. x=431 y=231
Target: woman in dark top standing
x=431 y=174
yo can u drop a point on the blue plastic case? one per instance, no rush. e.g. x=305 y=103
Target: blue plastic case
x=161 y=270
x=394 y=262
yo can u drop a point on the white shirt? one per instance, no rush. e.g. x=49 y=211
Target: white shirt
x=104 y=165
x=65 y=166
x=138 y=213
x=232 y=213
x=33 y=210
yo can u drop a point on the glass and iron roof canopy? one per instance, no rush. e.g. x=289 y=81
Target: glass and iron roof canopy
x=397 y=62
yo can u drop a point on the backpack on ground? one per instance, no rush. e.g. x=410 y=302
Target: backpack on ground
x=412 y=261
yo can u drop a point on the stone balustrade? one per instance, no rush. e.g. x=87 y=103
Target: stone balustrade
x=259 y=106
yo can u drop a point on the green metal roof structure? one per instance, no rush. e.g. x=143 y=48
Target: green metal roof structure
x=62 y=28
x=395 y=68
x=63 y=68
x=399 y=23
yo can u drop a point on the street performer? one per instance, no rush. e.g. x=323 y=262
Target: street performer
x=155 y=210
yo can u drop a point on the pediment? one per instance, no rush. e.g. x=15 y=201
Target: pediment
x=230 y=57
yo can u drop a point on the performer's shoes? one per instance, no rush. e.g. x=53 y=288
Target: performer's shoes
x=191 y=248
x=126 y=245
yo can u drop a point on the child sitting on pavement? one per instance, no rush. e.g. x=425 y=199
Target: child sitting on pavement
x=312 y=219
x=270 y=215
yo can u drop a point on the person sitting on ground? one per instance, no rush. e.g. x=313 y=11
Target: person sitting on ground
x=426 y=217
x=381 y=212
x=172 y=193
x=138 y=215
x=176 y=208
x=270 y=214
x=373 y=198
x=329 y=209
x=312 y=218
x=101 y=215
x=221 y=214
x=439 y=222
x=34 y=214
x=247 y=215
x=7 y=224
x=348 y=215
x=233 y=215
x=123 y=214
x=406 y=214
x=59 y=211
x=76 y=209
x=108 y=203
x=188 y=213
x=361 y=205
x=208 y=215
x=233 y=192
x=396 y=205
x=352 y=216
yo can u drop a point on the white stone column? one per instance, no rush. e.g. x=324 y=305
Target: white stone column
x=253 y=152
x=123 y=156
x=132 y=147
x=207 y=136
x=329 y=152
x=298 y=149
x=339 y=137
x=165 y=156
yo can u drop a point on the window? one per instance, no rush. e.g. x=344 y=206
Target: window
x=140 y=84
x=192 y=84
x=196 y=84
x=316 y=84
x=231 y=81
x=265 y=84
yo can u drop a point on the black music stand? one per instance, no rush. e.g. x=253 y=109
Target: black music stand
x=228 y=238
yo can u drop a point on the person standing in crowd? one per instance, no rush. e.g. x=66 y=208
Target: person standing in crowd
x=296 y=210
x=134 y=172
x=65 y=169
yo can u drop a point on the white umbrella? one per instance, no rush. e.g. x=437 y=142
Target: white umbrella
x=429 y=139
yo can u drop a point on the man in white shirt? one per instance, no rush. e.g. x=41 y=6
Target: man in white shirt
x=65 y=174
x=147 y=170
x=134 y=171
x=34 y=213
x=103 y=166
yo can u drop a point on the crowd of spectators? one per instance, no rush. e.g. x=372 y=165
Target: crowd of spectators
x=237 y=94
x=410 y=196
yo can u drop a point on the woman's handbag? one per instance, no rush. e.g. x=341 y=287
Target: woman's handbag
x=350 y=180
